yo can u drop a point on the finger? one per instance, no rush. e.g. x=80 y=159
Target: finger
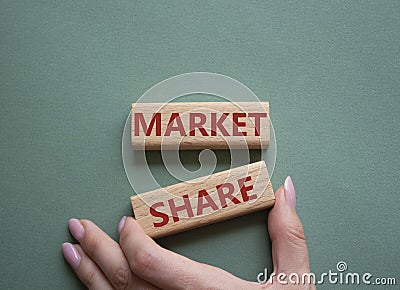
x=103 y=250
x=86 y=270
x=107 y=254
x=289 y=249
x=167 y=269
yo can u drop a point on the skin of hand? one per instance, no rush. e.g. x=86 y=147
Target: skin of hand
x=137 y=262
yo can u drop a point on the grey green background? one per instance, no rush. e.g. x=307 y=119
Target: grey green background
x=69 y=71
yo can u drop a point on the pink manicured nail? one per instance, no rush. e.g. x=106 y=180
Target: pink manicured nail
x=71 y=255
x=290 y=193
x=76 y=229
x=121 y=224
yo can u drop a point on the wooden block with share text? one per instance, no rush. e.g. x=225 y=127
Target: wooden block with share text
x=204 y=200
x=200 y=125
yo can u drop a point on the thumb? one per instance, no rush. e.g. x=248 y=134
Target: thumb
x=289 y=249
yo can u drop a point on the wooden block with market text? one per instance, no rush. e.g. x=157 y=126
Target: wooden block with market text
x=204 y=200
x=200 y=125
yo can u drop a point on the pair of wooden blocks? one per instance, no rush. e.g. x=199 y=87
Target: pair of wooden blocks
x=217 y=197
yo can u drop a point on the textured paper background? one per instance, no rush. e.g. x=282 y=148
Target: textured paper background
x=69 y=71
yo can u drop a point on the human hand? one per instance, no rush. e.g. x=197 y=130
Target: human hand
x=137 y=262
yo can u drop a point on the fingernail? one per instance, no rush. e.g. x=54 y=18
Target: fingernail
x=121 y=224
x=290 y=193
x=71 y=255
x=76 y=229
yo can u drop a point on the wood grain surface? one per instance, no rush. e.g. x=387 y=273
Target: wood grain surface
x=200 y=125
x=204 y=200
